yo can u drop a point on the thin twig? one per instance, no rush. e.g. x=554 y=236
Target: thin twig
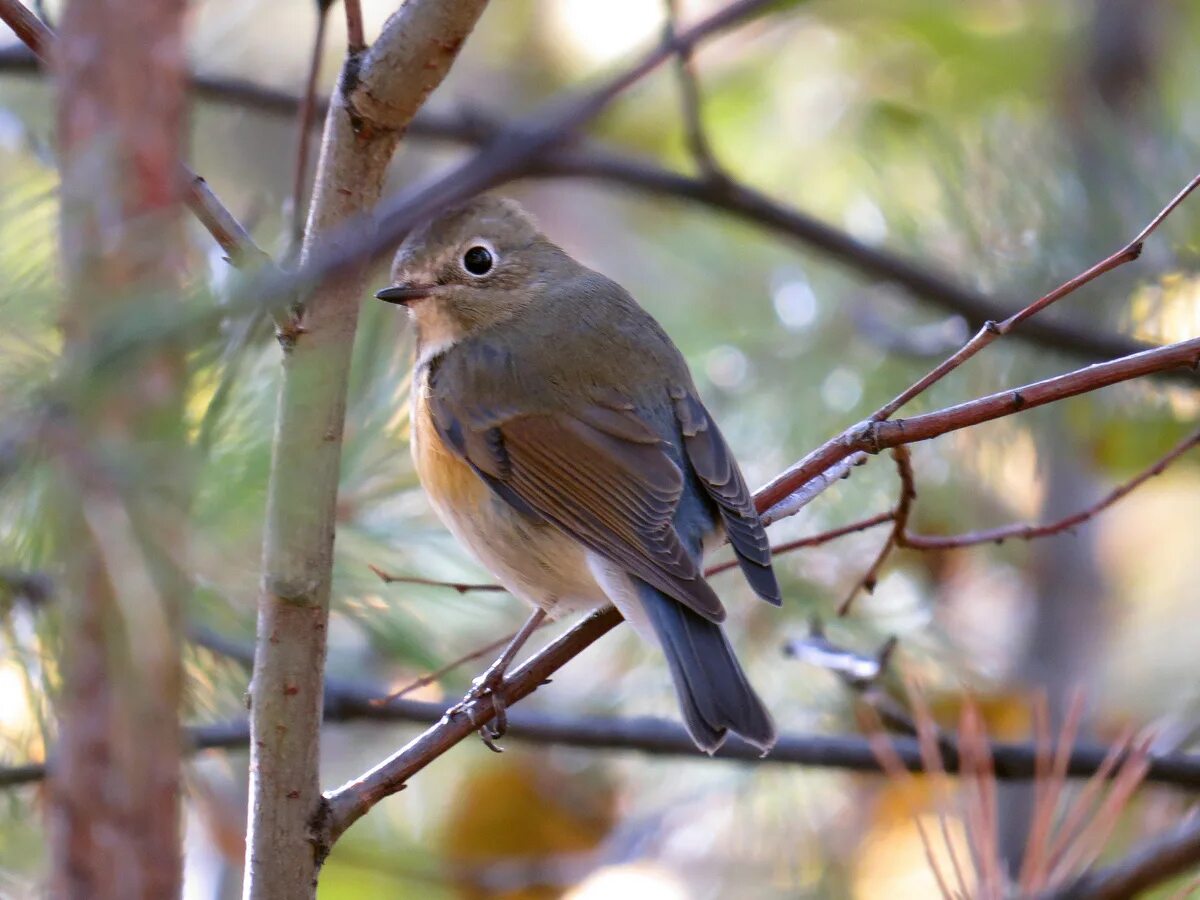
x=442 y=672
x=304 y=122
x=992 y=331
x=873 y=437
x=689 y=94
x=1030 y=532
x=461 y=587
x=899 y=517
x=356 y=39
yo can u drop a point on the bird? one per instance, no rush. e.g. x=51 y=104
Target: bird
x=559 y=435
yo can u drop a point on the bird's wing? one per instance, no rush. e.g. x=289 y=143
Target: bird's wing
x=718 y=472
x=600 y=474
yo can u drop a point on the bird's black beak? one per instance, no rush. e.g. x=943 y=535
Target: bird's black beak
x=404 y=294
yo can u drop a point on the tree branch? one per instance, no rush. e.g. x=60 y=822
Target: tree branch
x=992 y=331
x=1151 y=863
x=1030 y=532
x=873 y=437
x=305 y=117
x=594 y=161
x=689 y=93
x=356 y=39
x=899 y=517
x=1015 y=761
x=348 y=803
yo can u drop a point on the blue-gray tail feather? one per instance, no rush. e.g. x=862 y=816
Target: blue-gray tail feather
x=714 y=694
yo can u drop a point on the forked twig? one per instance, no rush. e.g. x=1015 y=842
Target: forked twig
x=695 y=133
x=1030 y=532
x=899 y=517
x=992 y=331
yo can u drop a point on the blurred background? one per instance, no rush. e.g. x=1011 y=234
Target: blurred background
x=1008 y=143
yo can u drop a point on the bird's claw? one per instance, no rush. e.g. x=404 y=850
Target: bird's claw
x=486 y=687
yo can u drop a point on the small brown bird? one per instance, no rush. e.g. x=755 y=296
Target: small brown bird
x=559 y=436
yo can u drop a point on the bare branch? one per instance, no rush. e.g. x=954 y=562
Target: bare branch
x=356 y=38
x=689 y=93
x=227 y=231
x=658 y=737
x=899 y=517
x=992 y=331
x=306 y=116
x=1151 y=863
x=872 y=437
x=459 y=586
x=814 y=540
x=1030 y=532
x=32 y=31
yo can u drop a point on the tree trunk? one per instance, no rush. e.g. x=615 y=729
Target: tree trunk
x=114 y=791
x=377 y=97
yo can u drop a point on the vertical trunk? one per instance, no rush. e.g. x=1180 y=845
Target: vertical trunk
x=379 y=92
x=298 y=553
x=114 y=792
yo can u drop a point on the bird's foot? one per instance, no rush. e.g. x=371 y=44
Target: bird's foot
x=485 y=688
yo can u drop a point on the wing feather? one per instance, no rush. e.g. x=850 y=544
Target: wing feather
x=718 y=472
x=603 y=476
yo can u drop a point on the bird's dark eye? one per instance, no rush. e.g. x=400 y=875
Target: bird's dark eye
x=478 y=260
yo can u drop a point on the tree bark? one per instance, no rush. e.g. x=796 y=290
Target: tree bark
x=114 y=792
x=379 y=92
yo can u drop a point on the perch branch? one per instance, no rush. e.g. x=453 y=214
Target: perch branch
x=348 y=803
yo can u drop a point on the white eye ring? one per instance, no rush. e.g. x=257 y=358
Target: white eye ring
x=479 y=258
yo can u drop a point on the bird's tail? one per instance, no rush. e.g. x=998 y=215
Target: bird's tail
x=714 y=694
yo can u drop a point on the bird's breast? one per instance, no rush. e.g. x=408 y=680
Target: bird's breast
x=534 y=560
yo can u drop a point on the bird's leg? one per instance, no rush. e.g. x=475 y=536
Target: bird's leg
x=487 y=684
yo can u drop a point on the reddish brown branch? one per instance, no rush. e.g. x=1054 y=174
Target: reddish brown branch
x=31 y=30
x=899 y=517
x=1030 y=532
x=992 y=331
x=304 y=122
x=356 y=38
x=873 y=437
